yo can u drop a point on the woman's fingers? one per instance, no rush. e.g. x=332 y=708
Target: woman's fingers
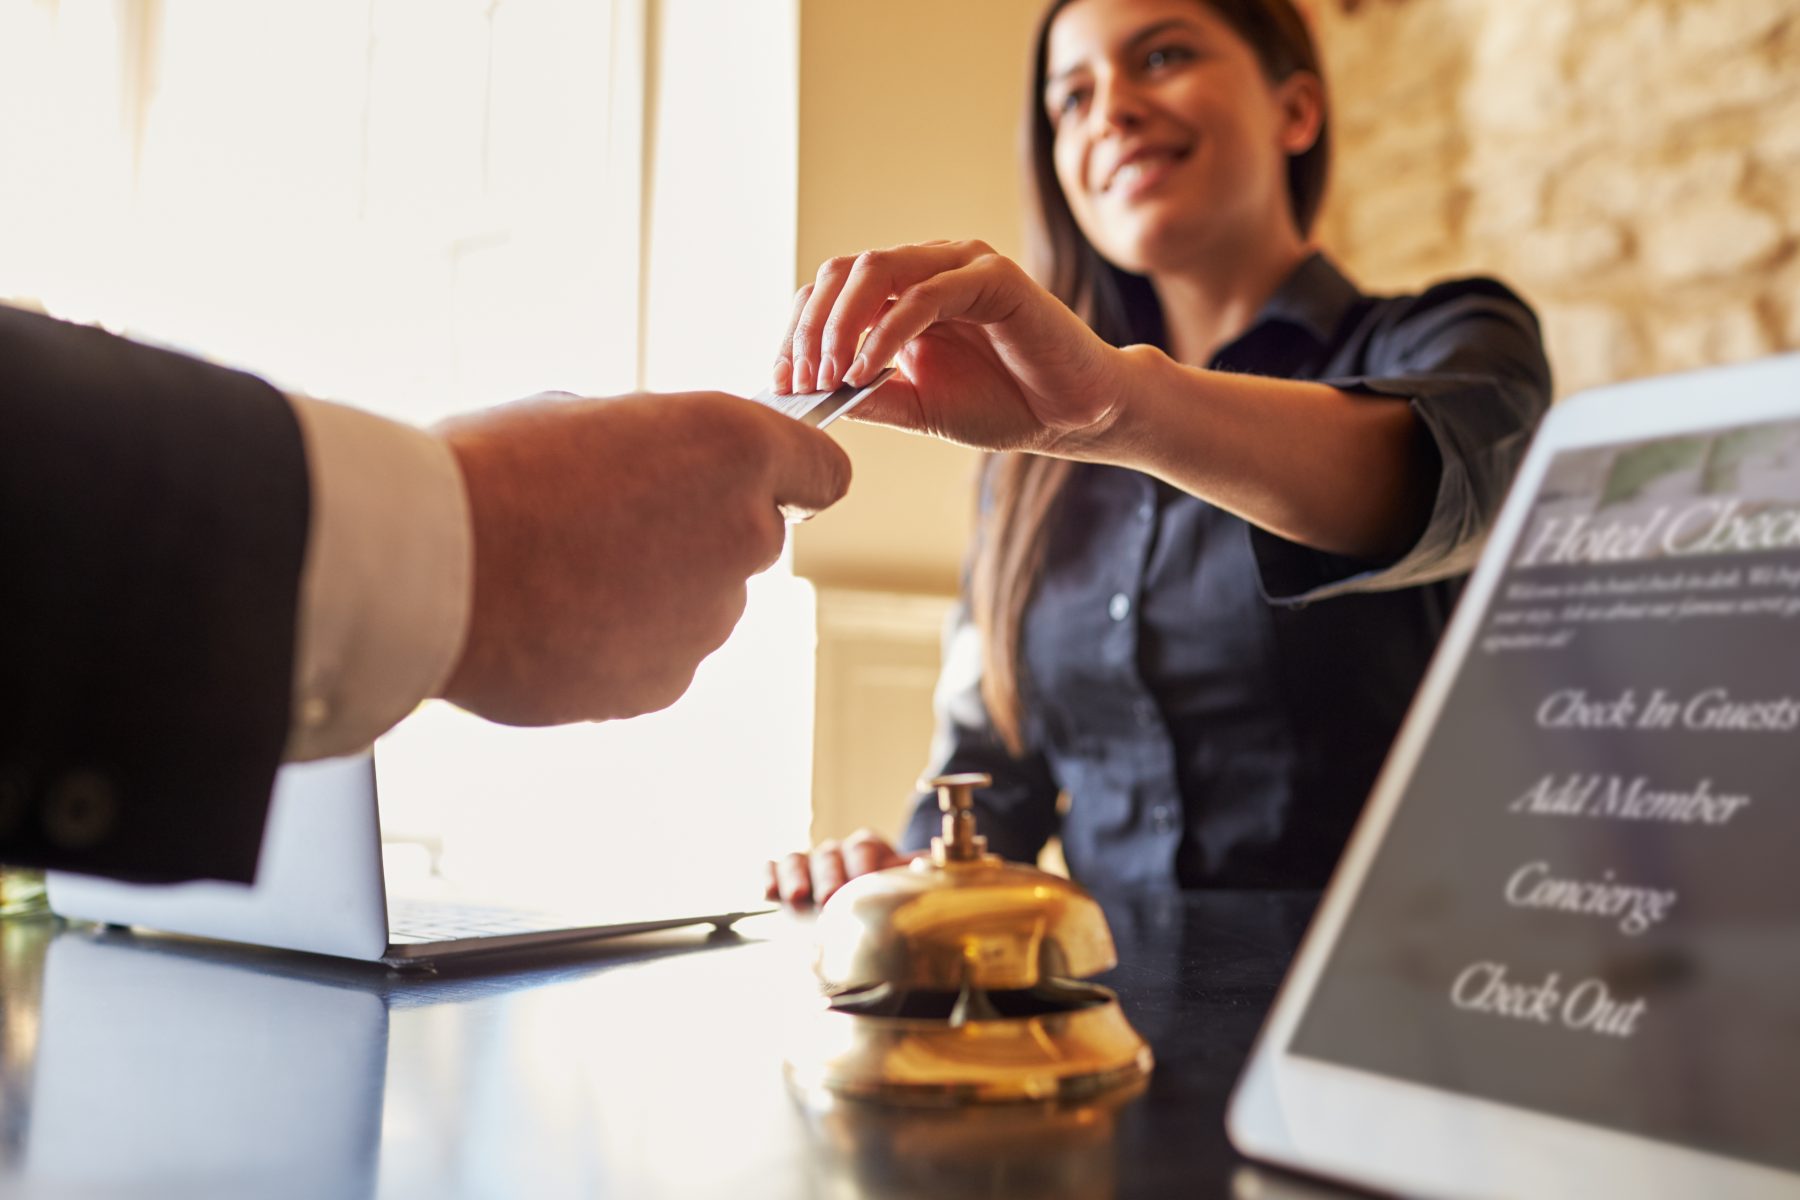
x=982 y=291
x=793 y=875
x=812 y=877
x=865 y=851
x=811 y=364
x=784 y=357
x=828 y=875
x=847 y=295
x=894 y=404
x=874 y=278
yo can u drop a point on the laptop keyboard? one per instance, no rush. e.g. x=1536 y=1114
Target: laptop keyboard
x=416 y=922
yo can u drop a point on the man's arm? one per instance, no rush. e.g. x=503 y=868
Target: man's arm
x=153 y=514
x=153 y=535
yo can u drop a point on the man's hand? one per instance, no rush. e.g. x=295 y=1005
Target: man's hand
x=612 y=542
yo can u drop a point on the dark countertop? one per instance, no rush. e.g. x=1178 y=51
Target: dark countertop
x=141 y=1065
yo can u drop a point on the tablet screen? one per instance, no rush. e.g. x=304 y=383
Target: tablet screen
x=1588 y=900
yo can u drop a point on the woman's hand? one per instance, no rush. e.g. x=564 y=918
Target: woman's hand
x=986 y=356
x=990 y=359
x=800 y=879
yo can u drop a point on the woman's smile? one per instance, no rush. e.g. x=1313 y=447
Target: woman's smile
x=1140 y=169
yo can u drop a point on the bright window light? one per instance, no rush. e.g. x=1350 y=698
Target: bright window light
x=423 y=206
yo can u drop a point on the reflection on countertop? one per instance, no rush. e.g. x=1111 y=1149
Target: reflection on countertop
x=134 y=1064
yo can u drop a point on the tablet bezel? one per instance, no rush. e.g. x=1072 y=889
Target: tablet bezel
x=1356 y=1126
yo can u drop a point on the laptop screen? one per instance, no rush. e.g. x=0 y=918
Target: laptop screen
x=1586 y=902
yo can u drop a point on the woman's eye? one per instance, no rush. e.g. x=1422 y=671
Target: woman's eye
x=1071 y=101
x=1166 y=56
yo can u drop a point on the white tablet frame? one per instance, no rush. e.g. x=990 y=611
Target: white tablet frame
x=1375 y=1131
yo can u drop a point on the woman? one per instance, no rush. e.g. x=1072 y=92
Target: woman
x=1234 y=496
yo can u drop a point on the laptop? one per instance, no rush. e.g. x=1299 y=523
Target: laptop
x=321 y=887
x=1561 y=955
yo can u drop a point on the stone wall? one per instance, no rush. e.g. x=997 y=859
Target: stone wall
x=1632 y=166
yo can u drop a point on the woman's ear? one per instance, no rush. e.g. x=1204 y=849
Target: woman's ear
x=1301 y=98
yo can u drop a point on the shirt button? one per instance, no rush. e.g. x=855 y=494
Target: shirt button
x=1119 y=607
x=1146 y=510
x=1163 y=817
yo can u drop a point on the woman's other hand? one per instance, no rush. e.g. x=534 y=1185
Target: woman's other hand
x=810 y=878
x=986 y=356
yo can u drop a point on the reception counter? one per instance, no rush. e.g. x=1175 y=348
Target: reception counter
x=133 y=1064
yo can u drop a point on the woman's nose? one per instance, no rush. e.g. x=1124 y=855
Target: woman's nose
x=1118 y=103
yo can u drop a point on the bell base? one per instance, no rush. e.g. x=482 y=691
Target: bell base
x=1063 y=1057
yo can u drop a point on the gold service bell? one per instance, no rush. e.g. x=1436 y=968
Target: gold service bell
x=957 y=979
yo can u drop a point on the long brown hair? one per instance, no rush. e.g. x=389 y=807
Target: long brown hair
x=1022 y=489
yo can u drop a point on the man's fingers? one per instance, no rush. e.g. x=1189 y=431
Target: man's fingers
x=727 y=612
x=809 y=472
x=760 y=535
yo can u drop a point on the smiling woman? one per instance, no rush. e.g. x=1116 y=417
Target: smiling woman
x=1230 y=138
x=1233 y=496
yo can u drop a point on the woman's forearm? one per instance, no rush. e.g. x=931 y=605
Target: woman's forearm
x=1347 y=474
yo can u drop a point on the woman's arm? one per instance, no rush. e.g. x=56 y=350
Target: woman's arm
x=988 y=358
x=1347 y=473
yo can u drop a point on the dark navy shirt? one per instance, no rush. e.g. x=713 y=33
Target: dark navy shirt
x=1213 y=700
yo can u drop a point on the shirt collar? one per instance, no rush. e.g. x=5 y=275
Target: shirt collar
x=1315 y=297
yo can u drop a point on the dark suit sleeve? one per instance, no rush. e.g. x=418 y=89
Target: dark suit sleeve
x=153 y=514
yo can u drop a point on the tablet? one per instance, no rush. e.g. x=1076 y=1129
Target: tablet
x=1561 y=954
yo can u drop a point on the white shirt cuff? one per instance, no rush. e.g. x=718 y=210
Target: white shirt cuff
x=385 y=588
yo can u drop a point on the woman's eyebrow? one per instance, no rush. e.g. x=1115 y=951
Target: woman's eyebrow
x=1160 y=27
x=1136 y=39
x=1064 y=74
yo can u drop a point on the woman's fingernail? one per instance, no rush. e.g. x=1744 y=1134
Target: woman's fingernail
x=859 y=371
x=827 y=373
x=803 y=376
x=784 y=375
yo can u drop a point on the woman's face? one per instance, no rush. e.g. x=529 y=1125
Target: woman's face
x=1170 y=143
